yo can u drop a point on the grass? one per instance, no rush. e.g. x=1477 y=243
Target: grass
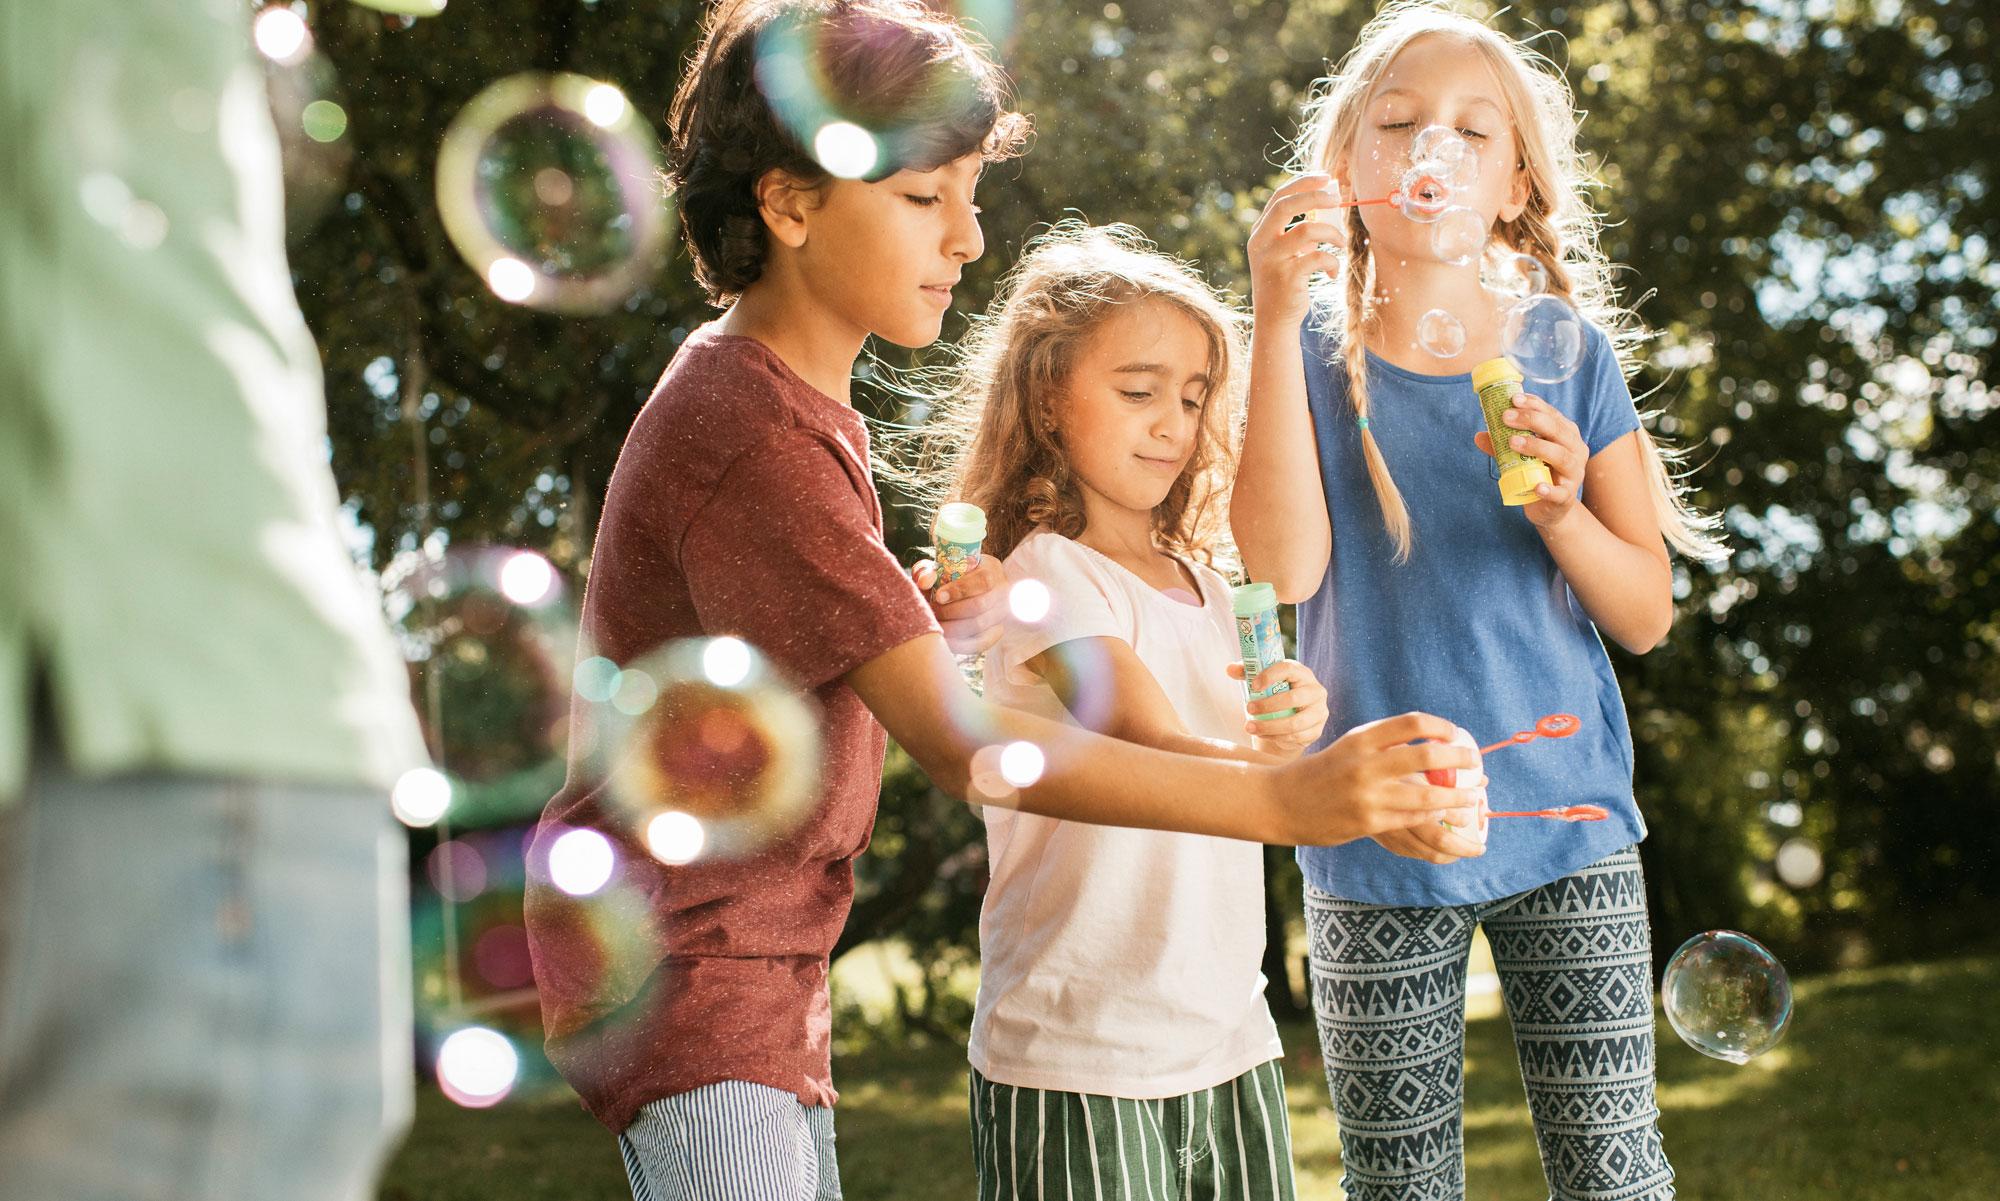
x=1887 y=1088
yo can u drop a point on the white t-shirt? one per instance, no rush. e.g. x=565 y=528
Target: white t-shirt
x=1120 y=962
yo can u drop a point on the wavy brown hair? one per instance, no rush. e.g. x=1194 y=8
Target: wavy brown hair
x=992 y=442
x=769 y=74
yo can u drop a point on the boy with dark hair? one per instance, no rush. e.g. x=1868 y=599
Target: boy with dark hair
x=742 y=504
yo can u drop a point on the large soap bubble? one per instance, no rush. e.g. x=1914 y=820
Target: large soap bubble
x=1544 y=337
x=549 y=186
x=1444 y=154
x=707 y=752
x=1459 y=235
x=1727 y=996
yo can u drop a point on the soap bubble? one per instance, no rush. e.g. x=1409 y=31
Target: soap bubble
x=1420 y=197
x=1799 y=863
x=1544 y=338
x=1445 y=155
x=503 y=666
x=1520 y=275
x=704 y=736
x=1726 y=996
x=1459 y=235
x=548 y=186
x=476 y=1067
x=1441 y=334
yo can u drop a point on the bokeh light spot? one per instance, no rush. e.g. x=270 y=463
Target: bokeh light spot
x=726 y=662
x=406 y=8
x=1028 y=601
x=323 y=121
x=580 y=862
x=675 y=837
x=526 y=578
x=1021 y=764
x=421 y=796
x=604 y=105
x=596 y=678
x=635 y=693
x=845 y=149
x=457 y=870
x=500 y=955
x=1799 y=863
x=281 y=35
x=511 y=279
x=476 y=1066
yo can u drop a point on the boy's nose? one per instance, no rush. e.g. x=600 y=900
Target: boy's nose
x=964 y=240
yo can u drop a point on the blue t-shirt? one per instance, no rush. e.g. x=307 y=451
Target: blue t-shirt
x=1478 y=626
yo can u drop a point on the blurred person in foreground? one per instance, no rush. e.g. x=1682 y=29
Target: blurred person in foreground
x=203 y=927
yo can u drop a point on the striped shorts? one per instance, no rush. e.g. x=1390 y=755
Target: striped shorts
x=732 y=1141
x=1575 y=965
x=1232 y=1142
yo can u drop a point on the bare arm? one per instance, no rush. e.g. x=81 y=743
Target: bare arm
x=1608 y=547
x=1353 y=789
x=1277 y=508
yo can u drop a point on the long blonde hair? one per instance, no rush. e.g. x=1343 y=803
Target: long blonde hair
x=993 y=441
x=1557 y=227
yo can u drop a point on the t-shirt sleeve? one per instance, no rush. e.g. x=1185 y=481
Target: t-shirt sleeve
x=1083 y=603
x=787 y=556
x=1608 y=413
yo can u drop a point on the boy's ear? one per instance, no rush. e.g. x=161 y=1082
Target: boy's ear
x=783 y=201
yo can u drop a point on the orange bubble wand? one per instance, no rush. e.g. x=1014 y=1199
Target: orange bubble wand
x=1555 y=725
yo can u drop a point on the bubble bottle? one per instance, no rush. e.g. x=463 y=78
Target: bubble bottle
x=958 y=532
x=1498 y=383
x=1256 y=607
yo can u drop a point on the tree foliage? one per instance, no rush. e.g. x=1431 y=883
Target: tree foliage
x=1803 y=201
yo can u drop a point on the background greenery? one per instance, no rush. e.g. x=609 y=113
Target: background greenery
x=1803 y=196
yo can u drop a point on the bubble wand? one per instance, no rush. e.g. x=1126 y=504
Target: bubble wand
x=1555 y=725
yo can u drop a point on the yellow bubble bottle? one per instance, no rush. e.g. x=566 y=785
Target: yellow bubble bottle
x=1498 y=383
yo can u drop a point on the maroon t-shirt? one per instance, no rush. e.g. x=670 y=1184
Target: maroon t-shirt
x=741 y=504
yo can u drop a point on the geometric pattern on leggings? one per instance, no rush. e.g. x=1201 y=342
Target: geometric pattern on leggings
x=1574 y=960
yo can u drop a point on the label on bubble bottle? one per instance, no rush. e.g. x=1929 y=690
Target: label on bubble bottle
x=1261 y=643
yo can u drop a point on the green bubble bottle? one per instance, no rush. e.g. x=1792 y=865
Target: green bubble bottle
x=959 y=530
x=1257 y=636
x=1498 y=383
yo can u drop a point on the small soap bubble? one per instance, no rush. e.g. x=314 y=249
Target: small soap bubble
x=1544 y=337
x=722 y=743
x=1441 y=334
x=1459 y=235
x=1799 y=863
x=548 y=187
x=1521 y=275
x=1421 y=198
x=476 y=1067
x=1727 y=996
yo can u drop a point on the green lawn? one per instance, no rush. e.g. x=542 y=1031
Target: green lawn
x=1887 y=1088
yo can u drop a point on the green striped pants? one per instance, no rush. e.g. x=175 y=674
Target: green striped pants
x=1232 y=1142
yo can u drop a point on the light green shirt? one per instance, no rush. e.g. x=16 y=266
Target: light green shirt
x=169 y=554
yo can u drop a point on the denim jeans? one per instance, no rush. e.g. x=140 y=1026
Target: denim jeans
x=204 y=989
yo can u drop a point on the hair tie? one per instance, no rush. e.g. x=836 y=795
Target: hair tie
x=1361 y=423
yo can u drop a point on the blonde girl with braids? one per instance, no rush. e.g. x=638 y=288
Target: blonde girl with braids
x=1366 y=497
x=1121 y=1045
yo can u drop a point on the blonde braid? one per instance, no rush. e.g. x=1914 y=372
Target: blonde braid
x=1354 y=350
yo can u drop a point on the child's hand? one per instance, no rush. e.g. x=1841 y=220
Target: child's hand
x=1285 y=737
x=1555 y=440
x=1359 y=787
x=1463 y=832
x=972 y=609
x=1282 y=259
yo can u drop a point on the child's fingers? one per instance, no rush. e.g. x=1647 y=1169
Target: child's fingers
x=1281 y=728
x=987 y=607
x=1416 y=758
x=924 y=574
x=1391 y=733
x=1235 y=671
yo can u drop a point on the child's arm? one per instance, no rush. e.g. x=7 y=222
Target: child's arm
x=1105 y=677
x=1609 y=547
x=1277 y=509
x=1355 y=788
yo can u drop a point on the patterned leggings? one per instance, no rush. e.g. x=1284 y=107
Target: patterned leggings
x=1575 y=966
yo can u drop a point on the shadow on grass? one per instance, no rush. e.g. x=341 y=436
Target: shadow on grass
x=1887 y=1088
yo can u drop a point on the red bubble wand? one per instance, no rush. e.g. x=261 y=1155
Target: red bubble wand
x=1555 y=725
